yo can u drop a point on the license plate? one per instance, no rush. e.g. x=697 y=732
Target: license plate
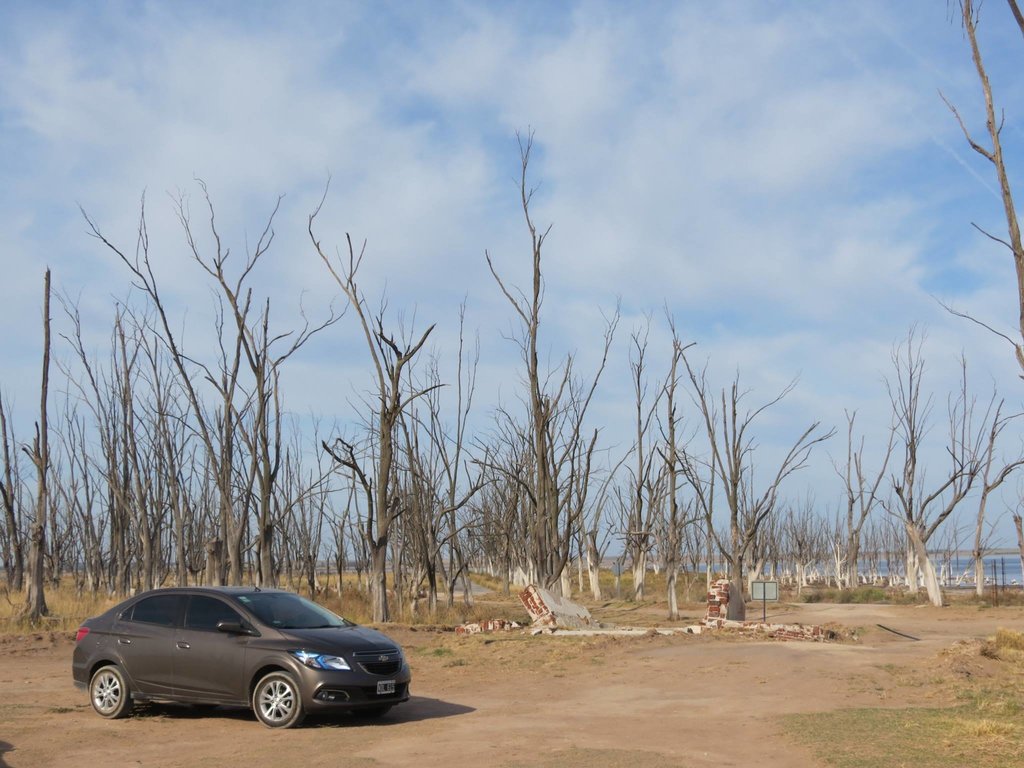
x=385 y=686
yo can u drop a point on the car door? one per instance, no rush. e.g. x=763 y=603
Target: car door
x=145 y=634
x=208 y=664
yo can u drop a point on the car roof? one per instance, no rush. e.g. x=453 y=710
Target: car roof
x=215 y=590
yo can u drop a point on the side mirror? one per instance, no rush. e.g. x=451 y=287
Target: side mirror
x=234 y=628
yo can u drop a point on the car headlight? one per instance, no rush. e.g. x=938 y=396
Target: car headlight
x=321 y=660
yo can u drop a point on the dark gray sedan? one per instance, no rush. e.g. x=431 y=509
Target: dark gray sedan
x=271 y=650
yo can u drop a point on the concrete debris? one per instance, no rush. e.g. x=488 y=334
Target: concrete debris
x=557 y=615
x=617 y=632
x=549 y=610
x=493 y=625
x=776 y=631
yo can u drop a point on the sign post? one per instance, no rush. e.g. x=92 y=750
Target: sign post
x=764 y=591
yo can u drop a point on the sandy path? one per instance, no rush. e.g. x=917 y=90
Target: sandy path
x=518 y=701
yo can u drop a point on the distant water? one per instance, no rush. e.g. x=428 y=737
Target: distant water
x=1007 y=569
x=999 y=569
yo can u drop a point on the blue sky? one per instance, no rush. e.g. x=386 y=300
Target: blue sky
x=782 y=175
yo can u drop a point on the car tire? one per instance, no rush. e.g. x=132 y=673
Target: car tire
x=109 y=693
x=276 y=701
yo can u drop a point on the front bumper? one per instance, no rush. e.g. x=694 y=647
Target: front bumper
x=328 y=690
x=354 y=697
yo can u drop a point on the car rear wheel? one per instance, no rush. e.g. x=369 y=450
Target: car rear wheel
x=276 y=701
x=109 y=693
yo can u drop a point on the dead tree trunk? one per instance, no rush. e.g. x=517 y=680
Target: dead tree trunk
x=993 y=153
x=15 y=557
x=730 y=446
x=554 y=419
x=390 y=398
x=991 y=479
x=862 y=496
x=921 y=509
x=675 y=520
x=1018 y=523
x=35 y=602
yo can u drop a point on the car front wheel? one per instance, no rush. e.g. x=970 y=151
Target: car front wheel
x=276 y=701
x=109 y=693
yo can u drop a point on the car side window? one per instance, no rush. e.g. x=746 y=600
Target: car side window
x=158 y=609
x=205 y=613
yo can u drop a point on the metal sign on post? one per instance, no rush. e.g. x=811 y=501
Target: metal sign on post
x=764 y=591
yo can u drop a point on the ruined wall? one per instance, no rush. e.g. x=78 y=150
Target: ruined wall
x=718 y=610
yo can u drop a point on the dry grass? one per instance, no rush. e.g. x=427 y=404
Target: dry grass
x=67 y=607
x=984 y=729
x=1007 y=639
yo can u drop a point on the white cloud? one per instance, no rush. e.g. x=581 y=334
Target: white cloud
x=781 y=177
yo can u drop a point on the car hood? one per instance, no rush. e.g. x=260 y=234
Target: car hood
x=341 y=639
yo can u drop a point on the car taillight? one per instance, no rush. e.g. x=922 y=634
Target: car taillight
x=82 y=632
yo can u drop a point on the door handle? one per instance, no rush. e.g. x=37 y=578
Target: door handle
x=183 y=645
x=123 y=641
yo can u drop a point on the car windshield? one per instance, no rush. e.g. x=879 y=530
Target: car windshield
x=284 y=610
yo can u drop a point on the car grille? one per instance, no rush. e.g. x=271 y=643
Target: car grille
x=384 y=662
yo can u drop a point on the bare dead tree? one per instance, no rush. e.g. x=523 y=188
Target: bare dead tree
x=675 y=518
x=14 y=554
x=302 y=502
x=499 y=511
x=922 y=508
x=35 y=597
x=1018 y=523
x=102 y=392
x=264 y=351
x=646 y=488
x=171 y=448
x=139 y=489
x=217 y=431
x=764 y=545
x=390 y=399
x=448 y=444
x=557 y=403
x=993 y=153
x=992 y=476
x=802 y=531
x=861 y=494
x=241 y=432
x=596 y=537
x=80 y=496
x=730 y=446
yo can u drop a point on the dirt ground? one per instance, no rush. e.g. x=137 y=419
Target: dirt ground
x=514 y=700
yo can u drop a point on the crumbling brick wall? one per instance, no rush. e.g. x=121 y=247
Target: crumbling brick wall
x=718 y=602
x=717 y=614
